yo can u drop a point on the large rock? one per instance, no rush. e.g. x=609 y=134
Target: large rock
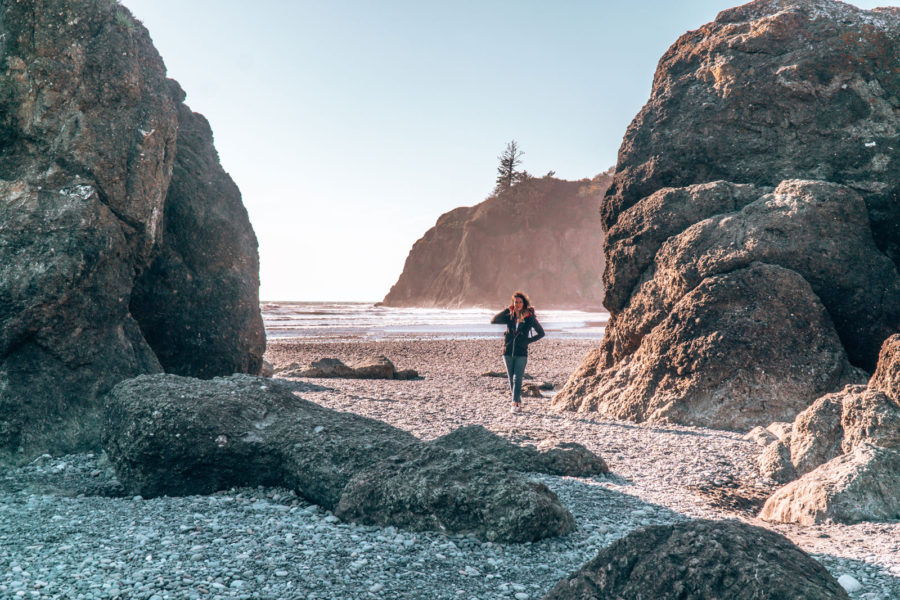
x=460 y=491
x=198 y=302
x=172 y=435
x=773 y=90
x=767 y=139
x=701 y=560
x=566 y=459
x=90 y=132
x=712 y=361
x=863 y=485
x=541 y=235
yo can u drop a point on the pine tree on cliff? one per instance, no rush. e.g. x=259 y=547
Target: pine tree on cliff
x=507 y=176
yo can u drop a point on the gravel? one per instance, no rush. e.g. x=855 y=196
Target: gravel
x=68 y=531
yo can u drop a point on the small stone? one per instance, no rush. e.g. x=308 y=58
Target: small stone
x=849 y=583
x=375 y=588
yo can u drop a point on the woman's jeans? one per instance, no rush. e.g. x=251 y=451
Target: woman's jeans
x=515 y=368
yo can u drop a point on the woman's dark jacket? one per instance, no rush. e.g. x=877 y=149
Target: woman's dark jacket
x=516 y=341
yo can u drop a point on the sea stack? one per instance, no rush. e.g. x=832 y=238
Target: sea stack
x=542 y=235
x=753 y=222
x=124 y=246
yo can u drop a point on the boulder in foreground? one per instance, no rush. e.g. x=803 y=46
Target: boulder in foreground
x=567 y=459
x=701 y=560
x=172 y=435
x=454 y=491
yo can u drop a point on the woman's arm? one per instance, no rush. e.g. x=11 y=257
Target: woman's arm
x=539 y=331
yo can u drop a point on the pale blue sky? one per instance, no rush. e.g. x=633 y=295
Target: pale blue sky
x=351 y=125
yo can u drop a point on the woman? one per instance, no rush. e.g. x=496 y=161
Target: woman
x=519 y=319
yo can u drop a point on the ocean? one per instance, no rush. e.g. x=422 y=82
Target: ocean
x=365 y=321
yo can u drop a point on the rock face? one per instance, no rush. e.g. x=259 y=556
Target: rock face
x=198 y=302
x=714 y=361
x=90 y=132
x=702 y=560
x=542 y=236
x=172 y=435
x=768 y=140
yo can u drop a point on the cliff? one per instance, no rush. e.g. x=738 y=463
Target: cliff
x=542 y=236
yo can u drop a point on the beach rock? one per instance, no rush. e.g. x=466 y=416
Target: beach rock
x=832 y=426
x=780 y=429
x=869 y=416
x=90 y=132
x=406 y=374
x=640 y=232
x=177 y=436
x=775 y=461
x=567 y=459
x=373 y=367
x=781 y=157
x=172 y=435
x=817 y=433
x=198 y=302
x=267 y=369
x=863 y=485
x=887 y=374
x=547 y=232
x=760 y=435
x=429 y=487
x=712 y=361
x=702 y=560
x=535 y=390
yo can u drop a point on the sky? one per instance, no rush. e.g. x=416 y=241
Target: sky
x=350 y=126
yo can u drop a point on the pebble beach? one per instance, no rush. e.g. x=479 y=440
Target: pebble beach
x=67 y=530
